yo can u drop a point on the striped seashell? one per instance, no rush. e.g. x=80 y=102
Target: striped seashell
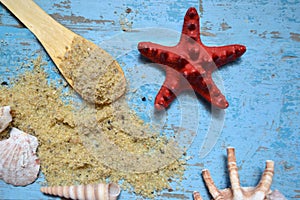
x=5 y=117
x=19 y=164
x=99 y=191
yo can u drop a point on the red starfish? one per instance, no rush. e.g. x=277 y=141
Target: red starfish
x=190 y=61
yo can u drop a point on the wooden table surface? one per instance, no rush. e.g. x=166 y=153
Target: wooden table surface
x=263 y=87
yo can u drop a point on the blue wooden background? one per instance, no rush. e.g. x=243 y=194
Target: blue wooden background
x=263 y=87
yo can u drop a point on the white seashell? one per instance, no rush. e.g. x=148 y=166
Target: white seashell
x=236 y=192
x=19 y=164
x=276 y=195
x=99 y=191
x=5 y=117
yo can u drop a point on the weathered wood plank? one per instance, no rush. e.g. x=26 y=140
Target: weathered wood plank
x=263 y=87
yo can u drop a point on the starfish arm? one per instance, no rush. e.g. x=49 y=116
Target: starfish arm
x=172 y=87
x=191 y=26
x=164 y=98
x=159 y=53
x=207 y=89
x=225 y=54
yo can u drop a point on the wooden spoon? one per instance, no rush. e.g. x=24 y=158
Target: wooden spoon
x=90 y=70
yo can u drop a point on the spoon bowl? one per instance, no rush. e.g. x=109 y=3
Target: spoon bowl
x=90 y=70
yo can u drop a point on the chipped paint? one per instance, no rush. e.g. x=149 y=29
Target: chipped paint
x=79 y=19
x=295 y=37
x=225 y=26
x=264 y=85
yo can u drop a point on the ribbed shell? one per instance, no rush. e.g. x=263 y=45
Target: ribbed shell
x=100 y=191
x=5 y=117
x=19 y=164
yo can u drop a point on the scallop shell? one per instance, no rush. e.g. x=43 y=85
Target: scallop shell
x=236 y=192
x=19 y=164
x=5 y=117
x=99 y=191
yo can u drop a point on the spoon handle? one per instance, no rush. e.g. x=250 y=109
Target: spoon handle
x=90 y=70
x=53 y=36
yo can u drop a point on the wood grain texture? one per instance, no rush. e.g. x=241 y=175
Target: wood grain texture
x=54 y=37
x=263 y=87
x=58 y=41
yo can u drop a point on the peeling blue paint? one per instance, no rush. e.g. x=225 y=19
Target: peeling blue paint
x=263 y=87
